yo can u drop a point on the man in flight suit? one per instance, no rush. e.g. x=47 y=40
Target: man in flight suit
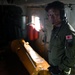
x=62 y=43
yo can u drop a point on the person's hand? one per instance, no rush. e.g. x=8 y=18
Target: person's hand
x=54 y=69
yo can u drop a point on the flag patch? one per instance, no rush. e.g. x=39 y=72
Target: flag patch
x=68 y=37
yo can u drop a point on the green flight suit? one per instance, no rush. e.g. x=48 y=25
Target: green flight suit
x=62 y=47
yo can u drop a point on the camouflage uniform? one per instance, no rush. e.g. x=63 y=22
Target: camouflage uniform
x=62 y=48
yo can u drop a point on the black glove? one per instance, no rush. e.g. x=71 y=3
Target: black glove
x=54 y=69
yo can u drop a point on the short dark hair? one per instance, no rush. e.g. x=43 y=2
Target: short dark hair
x=57 y=5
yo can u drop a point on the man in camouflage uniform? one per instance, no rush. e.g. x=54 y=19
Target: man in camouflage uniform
x=62 y=43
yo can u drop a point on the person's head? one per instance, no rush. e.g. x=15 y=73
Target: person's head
x=56 y=12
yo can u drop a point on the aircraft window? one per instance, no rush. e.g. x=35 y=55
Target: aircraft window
x=36 y=22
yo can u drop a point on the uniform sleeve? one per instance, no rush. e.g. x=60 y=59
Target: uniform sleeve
x=69 y=57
